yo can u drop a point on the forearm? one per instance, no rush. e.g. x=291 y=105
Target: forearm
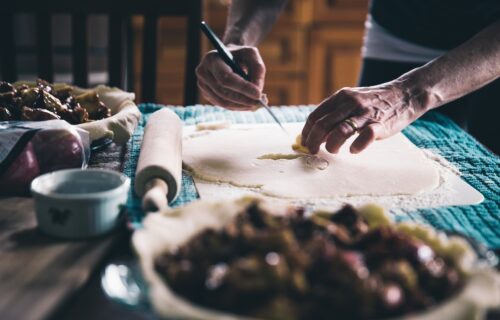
x=250 y=20
x=462 y=70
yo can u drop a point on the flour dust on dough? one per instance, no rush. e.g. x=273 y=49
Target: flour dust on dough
x=393 y=166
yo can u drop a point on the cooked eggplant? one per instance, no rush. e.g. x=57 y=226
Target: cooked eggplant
x=29 y=96
x=5 y=114
x=53 y=104
x=30 y=114
x=322 y=267
x=76 y=115
x=90 y=101
x=44 y=101
x=6 y=87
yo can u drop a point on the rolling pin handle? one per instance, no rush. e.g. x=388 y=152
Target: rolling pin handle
x=155 y=199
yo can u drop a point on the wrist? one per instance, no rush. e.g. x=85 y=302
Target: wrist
x=417 y=93
x=234 y=36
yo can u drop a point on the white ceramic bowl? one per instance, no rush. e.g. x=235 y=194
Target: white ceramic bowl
x=78 y=203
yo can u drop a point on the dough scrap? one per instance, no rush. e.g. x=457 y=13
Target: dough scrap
x=392 y=166
x=298 y=147
x=279 y=156
x=213 y=125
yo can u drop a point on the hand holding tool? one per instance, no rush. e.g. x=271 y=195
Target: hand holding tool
x=228 y=58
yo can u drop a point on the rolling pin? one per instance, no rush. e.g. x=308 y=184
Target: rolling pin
x=159 y=169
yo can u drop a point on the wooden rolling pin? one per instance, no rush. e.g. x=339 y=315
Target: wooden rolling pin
x=159 y=169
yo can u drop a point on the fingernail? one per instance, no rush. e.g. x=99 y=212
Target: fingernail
x=263 y=97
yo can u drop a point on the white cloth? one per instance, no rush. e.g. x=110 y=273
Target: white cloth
x=379 y=43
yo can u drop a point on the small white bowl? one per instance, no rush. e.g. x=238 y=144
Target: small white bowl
x=78 y=203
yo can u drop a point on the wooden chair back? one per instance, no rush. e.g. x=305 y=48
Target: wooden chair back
x=119 y=49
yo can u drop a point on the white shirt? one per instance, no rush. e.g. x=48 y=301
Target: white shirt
x=379 y=43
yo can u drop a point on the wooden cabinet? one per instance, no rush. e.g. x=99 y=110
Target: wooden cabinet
x=312 y=51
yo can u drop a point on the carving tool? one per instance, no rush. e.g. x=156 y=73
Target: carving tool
x=228 y=58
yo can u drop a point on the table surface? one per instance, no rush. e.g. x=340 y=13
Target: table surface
x=43 y=271
x=91 y=303
x=462 y=150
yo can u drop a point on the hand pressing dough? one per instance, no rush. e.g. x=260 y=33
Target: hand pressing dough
x=388 y=167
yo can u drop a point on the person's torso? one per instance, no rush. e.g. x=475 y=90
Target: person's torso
x=440 y=24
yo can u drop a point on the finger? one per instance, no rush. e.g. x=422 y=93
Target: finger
x=228 y=79
x=317 y=114
x=253 y=63
x=340 y=134
x=322 y=128
x=366 y=136
x=334 y=106
x=228 y=94
x=216 y=100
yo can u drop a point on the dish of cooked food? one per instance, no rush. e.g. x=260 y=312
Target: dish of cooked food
x=104 y=112
x=294 y=267
x=44 y=101
x=247 y=259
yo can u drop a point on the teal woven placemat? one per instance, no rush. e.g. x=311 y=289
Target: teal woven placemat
x=479 y=167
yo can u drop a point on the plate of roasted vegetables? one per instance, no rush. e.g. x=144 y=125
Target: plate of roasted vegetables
x=251 y=259
x=106 y=113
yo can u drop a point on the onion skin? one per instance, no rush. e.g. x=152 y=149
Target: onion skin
x=17 y=178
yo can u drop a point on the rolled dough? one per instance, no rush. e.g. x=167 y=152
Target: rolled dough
x=392 y=166
x=298 y=147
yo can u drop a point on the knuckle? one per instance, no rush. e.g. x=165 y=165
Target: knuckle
x=349 y=95
x=199 y=70
x=377 y=114
x=366 y=113
x=211 y=55
x=225 y=79
x=253 y=51
x=233 y=96
x=343 y=92
x=262 y=67
x=370 y=133
x=358 y=101
x=344 y=129
x=242 y=86
x=250 y=89
x=322 y=126
x=225 y=93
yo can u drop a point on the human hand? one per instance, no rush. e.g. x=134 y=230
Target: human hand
x=221 y=86
x=375 y=112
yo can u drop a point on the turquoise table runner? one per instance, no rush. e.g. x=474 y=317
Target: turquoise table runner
x=479 y=167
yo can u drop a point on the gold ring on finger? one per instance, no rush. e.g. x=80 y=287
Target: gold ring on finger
x=352 y=124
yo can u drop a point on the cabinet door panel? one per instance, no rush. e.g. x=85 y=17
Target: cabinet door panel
x=286 y=90
x=284 y=50
x=340 y=11
x=334 y=61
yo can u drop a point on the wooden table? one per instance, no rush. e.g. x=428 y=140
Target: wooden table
x=41 y=277
x=38 y=272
